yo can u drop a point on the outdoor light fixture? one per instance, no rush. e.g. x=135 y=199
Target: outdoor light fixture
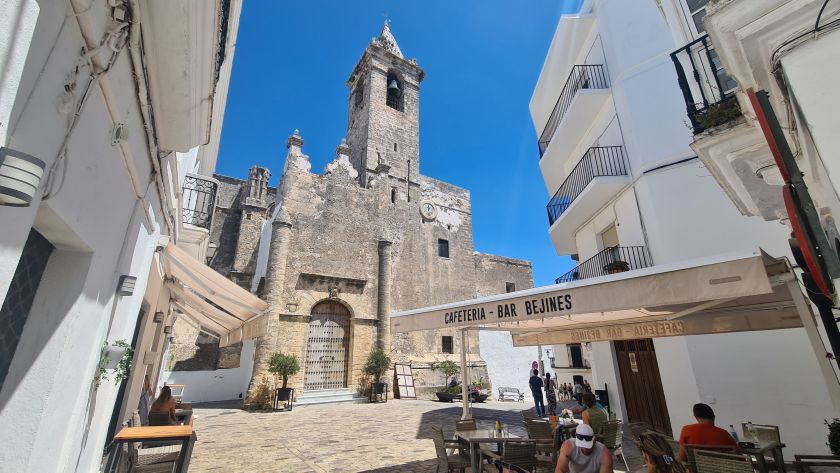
x=20 y=175
x=158 y=317
x=211 y=251
x=126 y=285
x=167 y=329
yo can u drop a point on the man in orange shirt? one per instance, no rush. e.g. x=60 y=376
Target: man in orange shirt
x=704 y=431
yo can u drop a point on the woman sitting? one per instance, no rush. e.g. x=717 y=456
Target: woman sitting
x=658 y=455
x=163 y=408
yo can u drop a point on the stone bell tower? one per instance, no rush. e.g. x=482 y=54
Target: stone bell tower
x=383 y=124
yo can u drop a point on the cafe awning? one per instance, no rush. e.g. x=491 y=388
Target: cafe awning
x=739 y=292
x=214 y=302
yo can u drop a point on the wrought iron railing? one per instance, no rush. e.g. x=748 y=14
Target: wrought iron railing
x=583 y=76
x=616 y=259
x=199 y=200
x=597 y=162
x=708 y=90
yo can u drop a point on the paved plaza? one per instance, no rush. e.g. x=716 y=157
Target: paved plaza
x=391 y=437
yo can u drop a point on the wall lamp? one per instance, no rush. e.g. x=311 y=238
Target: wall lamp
x=126 y=285
x=20 y=175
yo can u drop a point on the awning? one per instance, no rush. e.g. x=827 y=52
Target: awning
x=729 y=293
x=214 y=302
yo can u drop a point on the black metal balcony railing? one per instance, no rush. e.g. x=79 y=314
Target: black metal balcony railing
x=597 y=162
x=583 y=76
x=708 y=90
x=616 y=259
x=199 y=200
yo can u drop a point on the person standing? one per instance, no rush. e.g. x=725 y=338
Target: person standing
x=586 y=387
x=578 y=391
x=536 y=384
x=146 y=396
x=551 y=394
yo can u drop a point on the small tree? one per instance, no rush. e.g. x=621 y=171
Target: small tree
x=449 y=368
x=283 y=365
x=377 y=364
x=833 y=436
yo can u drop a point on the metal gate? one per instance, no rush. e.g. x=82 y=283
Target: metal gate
x=328 y=347
x=643 y=394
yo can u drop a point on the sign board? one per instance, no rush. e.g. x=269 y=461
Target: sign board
x=405 y=381
x=634 y=365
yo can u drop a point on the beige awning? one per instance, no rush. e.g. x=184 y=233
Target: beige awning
x=214 y=302
x=729 y=293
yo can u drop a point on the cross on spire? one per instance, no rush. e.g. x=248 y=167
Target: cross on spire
x=387 y=40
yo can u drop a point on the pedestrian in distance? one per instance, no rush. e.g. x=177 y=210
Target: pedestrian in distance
x=586 y=387
x=536 y=384
x=584 y=454
x=551 y=394
x=578 y=392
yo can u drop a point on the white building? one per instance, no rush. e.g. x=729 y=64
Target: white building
x=627 y=193
x=122 y=103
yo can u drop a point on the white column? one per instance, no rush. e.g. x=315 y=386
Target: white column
x=465 y=397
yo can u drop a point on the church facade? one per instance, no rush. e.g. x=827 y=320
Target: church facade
x=335 y=253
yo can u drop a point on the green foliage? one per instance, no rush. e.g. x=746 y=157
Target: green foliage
x=260 y=397
x=833 y=436
x=123 y=368
x=616 y=266
x=377 y=364
x=283 y=365
x=720 y=113
x=449 y=368
x=454 y=389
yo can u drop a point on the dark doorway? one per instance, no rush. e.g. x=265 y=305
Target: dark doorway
x=641 y=384
x=575 y=356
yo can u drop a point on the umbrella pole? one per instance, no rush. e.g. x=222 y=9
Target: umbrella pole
x=465 y=395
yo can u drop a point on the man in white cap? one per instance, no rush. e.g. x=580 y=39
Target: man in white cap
x=584 y=454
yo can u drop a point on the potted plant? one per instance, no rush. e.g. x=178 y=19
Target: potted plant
x=617 y=266
x=285 y=366
x=450 y=369
x=377 y=364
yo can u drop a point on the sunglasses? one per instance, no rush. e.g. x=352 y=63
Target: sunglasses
x=585 y=438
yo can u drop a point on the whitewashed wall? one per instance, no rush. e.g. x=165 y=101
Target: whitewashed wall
x=507 y=366
x=215 y=385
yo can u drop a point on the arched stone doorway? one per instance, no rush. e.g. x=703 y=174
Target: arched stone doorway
x=327 y=347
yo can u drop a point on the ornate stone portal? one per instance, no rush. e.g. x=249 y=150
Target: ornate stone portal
x=335 y=254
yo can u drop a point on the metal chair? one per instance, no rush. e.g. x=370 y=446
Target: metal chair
x=612 y=439
x=521 y=453
x=690 y=451
x=719 y=462
x=543 y=435
x=448 y=462
x=763 y=433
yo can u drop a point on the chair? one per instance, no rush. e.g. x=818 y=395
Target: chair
x=465 y=424
x=719 y=462
x=612 y=439
x=159 y=418
x=543 y=435
x=447 y=462
x=763 y=433
x=691 y=449
x=521 y=453
x=802 y=463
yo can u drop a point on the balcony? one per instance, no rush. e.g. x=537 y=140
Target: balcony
x=199 y=200
x=616 y=259
x=599 y=175
x=708 y=90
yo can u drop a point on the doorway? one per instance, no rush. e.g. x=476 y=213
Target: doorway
x=609 y=237
x=327 y=347
x=641 y=384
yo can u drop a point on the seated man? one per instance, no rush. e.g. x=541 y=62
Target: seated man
x=583 y=454
x=592 y=415
x=704 y=432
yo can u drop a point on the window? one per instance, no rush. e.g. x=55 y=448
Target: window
x=393 y=195
x=359 y=92
x=446 y=344
x=575 y=356
x=510 y=287
x=395 y=146
x=443 y=248
x=394 y=92
x=697 y=10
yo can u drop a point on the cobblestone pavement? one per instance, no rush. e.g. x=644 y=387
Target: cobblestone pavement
x=392 y=437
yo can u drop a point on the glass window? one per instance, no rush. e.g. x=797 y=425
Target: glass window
x=510 y=287
x=443 y=248
x=446 y=344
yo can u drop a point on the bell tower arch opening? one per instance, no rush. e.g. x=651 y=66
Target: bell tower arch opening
x=327 y=347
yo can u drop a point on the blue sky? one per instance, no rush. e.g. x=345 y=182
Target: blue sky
x=482 y=59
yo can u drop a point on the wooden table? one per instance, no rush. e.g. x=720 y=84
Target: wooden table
x=477 y=437
x=774 y=449
x=182 y=433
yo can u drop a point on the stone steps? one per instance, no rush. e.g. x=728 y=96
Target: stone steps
x=328 y=396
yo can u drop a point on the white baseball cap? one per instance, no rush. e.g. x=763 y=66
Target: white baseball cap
x=582 y=433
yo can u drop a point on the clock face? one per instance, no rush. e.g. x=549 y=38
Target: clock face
x=428 y=210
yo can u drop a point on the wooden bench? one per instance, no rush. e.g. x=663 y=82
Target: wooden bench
x=514 y=394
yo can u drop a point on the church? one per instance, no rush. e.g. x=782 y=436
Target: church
x=335 y=253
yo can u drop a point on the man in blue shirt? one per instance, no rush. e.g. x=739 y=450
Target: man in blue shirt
x=536 y=384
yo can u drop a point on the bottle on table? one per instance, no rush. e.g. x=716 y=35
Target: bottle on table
x=498 y=426
x=733 y=433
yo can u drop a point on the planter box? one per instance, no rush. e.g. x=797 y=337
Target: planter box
x=445 y=396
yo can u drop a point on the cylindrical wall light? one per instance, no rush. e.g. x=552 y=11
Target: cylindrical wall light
x=20 y=175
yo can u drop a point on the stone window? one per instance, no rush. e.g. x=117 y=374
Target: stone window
x=443 y=248
x=393 y=195
x=394 y=92
x=395 y=146
x=358 y=93
x=446 y=344
x=510 y=287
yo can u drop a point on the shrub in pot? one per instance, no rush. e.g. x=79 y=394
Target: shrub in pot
x=450 y=369
x=617 y=267
x=284 y=366
x=376 y=365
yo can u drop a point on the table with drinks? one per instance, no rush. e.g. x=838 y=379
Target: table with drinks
x=476 y=437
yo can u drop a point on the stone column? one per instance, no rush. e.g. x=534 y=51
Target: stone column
x=383 y=299
x=275 y=275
